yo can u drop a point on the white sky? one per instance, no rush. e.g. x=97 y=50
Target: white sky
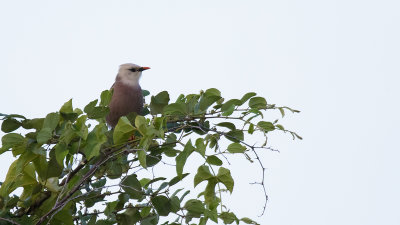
x=336 y=61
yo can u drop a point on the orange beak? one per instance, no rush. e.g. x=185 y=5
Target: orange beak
x=145 y=68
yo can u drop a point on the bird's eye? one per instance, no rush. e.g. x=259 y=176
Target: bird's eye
x=133 y=69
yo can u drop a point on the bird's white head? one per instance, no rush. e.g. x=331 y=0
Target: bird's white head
x=130 y=73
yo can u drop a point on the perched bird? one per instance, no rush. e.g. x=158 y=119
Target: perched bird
x=127 y=96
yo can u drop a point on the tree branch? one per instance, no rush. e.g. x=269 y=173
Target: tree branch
x=10 y=221
x=88 y=175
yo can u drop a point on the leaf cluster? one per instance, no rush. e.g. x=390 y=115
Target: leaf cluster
x=72 y=169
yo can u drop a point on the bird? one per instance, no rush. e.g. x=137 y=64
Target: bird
x=127 y=94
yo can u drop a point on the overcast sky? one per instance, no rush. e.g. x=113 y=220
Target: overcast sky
x=336 y=61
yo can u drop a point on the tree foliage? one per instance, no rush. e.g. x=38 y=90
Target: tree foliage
x=71 y=169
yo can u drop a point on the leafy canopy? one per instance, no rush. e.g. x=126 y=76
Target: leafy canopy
x=73 y=170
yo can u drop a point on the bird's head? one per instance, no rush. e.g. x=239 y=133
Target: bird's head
x=130 y=73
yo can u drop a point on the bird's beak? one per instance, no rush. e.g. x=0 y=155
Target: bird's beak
x=144 y=68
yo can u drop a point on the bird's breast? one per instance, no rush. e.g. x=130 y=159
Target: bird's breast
x=125 y=99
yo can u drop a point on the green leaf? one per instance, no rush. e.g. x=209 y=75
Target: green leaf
x=159 y=122
x=53 y=168
x=110 y=208
x=152 y=160
x=280 y=127
x=192 y=104
x=200 y=146
x=81 y=128
x=212 y=214
x=99 y=183
x=182 y=157
x=228 y=104
x=129 y=217
x=251 y=128
x=145 y=93
x=63 y=217
x=282 y=112
x=247 y=96
x=40 y=165
x=229 y=111
x=114 y=170
x=105 y=97
x=142 y=158
x=158 y=102
x=194 y=206
x=52 y=184
x=235 y=135
x=21 y=148
x=152 y=219
x=51 y=121
x=206 y=101
x=144 y=182
x=236 y=148
x=209 y=97
x=212 y=92
x=257 y=102
x=122 y=131
x=228 y=125
x=181 y=98
x=20 y=173
x=44 y=135
x=209 y=192
x=13 y=116
x=162 y=205
x=266 y=126
x=61 y=152
x=214 y=160
x=67 y=107
x=90 y=107
x=33 y=123
x=176 y=179
x=297 y=136
x=248 y=221
x=146 y=185
x=203 y=173
x=184 y=195
x=12 y=140
x=10 y=125
x=107 y=222
x=228 y=217
x=256 y=113
x=95 y=112
x=94 y=141
x=162 y=186
x=92 y=220
x=78 y=111
x=49 y=124
x=171 y=138
x=178 y=108
x=175 y=204
x=39 y=150
x=159 y=125
x=98 y=112
x=145 y=212
x=141 y=124
x=131 y=186
x=68 y=133
x=224 y=176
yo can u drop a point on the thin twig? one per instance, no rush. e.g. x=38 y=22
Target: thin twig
x=10 y=221
x=255 y=153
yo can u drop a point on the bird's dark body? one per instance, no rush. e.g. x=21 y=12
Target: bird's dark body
x=125 y=99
